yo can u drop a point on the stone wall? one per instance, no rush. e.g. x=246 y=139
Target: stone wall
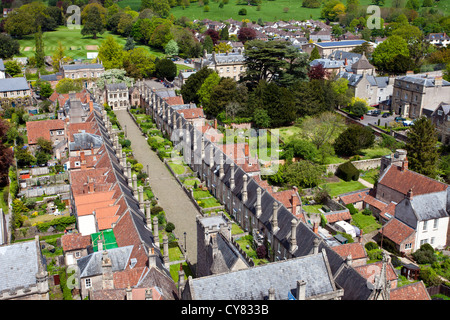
x=360 y=165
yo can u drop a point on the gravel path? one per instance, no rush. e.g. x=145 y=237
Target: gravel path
x=177 y=206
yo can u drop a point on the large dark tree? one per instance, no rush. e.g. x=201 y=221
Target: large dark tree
x=92 y=24
x=213 y=34
x=423 y=154
x=165 y=69
x=353 y=139
x=193 y=83
x=39 y=53
x=317 y=72
x=246 y=34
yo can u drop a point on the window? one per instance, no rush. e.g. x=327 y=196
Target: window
x=77 y=254
x=435 y=223
x=425 y=223
x=406 y=96
x=439 y=112
x=88 y=283
x=423 y=241
x=432 y=240
x=408 y=246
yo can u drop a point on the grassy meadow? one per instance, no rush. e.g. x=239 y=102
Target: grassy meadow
x=75 y=44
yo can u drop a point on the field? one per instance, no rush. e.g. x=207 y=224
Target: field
x=76 y=46
x=269 y=11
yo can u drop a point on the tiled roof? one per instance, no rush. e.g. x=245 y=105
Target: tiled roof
x=75 y=241
x=413 y=291
x=193 y=113
x=403 y=181
x=354 y=197
x=396 y=231
x=89 y=208
x=389 y=211
x=369 y=271
x=380 y=205
x=89 y=127
x=128 y=277
x=355 y=249
x=174 y=100
x=41 y=129
x=338 y=216
x=93 y=197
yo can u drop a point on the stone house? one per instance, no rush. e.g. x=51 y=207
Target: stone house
x=441 y=119
x=117 y=96
x=230 y=65
x=75 y=246
x=14 y=91
x=327 y=48
x=417 y=95
x=82 y=70
x=50 y=130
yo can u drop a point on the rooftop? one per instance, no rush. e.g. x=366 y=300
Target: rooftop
x=342 y=43
x=13 y=84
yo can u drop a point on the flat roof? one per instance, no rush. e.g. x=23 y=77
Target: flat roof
x=340 y=43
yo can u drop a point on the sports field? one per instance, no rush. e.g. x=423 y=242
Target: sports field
x=76 y=45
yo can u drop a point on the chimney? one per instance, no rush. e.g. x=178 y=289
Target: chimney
x=152 y=258
x=293 y=240
x=82 y=157
x=91 y=185
x=349 y=260
x=244 y=189
x=232 y=185
x=107 y=274
x=258 y=202
x=129 y=174
x=135 y=185
x=221 y=171
x=215 y=123
x=404 y=164
x=409 y=195
x=294 y=201
x=316 y=243
x=129 y=293
x=141 y=198
x=345 y=63
x=301 y=290
x=275 y=217
x=100 y=245
x=148 y=217
x=149 y=294
x=316 y=227
x=247 y=150
x=438 y=81
x=166 y=249
x=155 y=231
x=271 y=294
x=91 y=106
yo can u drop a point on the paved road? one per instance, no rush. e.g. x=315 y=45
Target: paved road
x=177 y=206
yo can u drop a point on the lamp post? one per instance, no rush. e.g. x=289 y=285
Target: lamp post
x=125 y=131
x=185 y=249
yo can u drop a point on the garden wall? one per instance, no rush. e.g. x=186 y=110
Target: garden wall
x=360 y=165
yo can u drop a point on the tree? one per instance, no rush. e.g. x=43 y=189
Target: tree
x=58 y=56
x=224 y=34
x=39 y=54
x=388 y=51
x=129 y=45
x=314 y=54
x=353 y=139
x=222 y=47
x=213 y=34
x=111 y=53
x=193 y=84
x=208 y=44
x=260 y=118
x=24 y=157
x=12 y=67
x=311 y=3
x=66 y=85
x=160 y=7
x=303 y=174
x=413 y=4
x=161 y=36
x=45 y=88
x=301 y=148
x=8 y=46
x=423 y=155
x=206 y=89
x=6 y=153
x=317 y=72
x=246 y=34
x=223 y=94
x=165 y=69
x=171 y=48
x=322 y=128
x=359 y=108
x=93 y=20
x=332 y=9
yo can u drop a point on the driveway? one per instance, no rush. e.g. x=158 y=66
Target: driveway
x=178 y=207
x=374 y=119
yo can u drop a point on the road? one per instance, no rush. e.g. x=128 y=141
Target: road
x=178 y=207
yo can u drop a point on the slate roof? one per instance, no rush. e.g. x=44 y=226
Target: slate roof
x=327 y=63
x=69 y=67
x=422 y=80
x=13 y=84
x=19 y=265
x=91 y=265
x=254 y=283
x=340 y=43
x=362 y=63
x=116 y=86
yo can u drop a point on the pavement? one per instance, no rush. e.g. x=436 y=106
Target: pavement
x=178 y=207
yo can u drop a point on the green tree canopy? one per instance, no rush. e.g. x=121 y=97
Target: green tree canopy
x=387 y=52
x=206 y=89
x=303 y=174
x=8 y=46
x=111 y=53
x=353 y=139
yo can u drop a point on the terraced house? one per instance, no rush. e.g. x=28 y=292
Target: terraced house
x=255 y=209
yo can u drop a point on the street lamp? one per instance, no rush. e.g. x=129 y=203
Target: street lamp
x=185 y=249
x=125 y=131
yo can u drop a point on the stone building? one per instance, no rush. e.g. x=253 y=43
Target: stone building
x=327 y=48
x=24 y=272
x=215 y=252
x=441 y=119
x=117 y=96
x=417 y=95
x=230 y=65
x=82 y=70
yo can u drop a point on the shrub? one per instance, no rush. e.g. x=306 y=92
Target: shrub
x=156 y=210
x=261 y=252
x=351 y=208
x=427 y=247
x=242 y=12
x=170 y=227
x=367 y=212
x=347 y=171
x=322 y=195
x=424 y=256
x=429 y=277
x=376 y=254
x=371 y=246
x=395 y=261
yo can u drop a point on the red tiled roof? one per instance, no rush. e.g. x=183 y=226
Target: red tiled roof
x=355 y=249
x=285 y=197
x=403 y=180
x=413 y=291
x=139 y=294
x=193 y=113
x=93 y=197
x=380 y=205
x=389 y=209
x=369 y=271
x=128 y=277
x=89 y=208
x=353 y=197
x=41 y=129
x=171 y=101
x=75 y=241
x=338 y=216
x=396 y=231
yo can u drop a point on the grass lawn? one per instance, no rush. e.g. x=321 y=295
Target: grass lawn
x=287 y=133
x=190 y=182
x=174 y=268
x=177 y=168
x=370 y=175
x=313 y=208
x=209 y=203
x=243 y=242
x=235 y=229
x=337 y=188
x=76 y=46
x=198 y=194
x=366 y=223
x=374 y=152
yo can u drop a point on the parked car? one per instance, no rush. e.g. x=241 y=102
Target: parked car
x=385 y=115
x=376 y=112
x=397 y=119
x=407 y=123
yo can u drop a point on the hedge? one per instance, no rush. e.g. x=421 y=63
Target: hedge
x=59 y=224
x=347 y=171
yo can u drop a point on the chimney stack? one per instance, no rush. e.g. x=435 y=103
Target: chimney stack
x=91 y=106
x=141 y=198
x=301 y=290
x=155 y=231
x=166 y=249
x=409 y=195
x=294 y=200
x=316 y=243
x=232 y=183
x=129 y=174
x=135 y=185
x=293 y=240
x=148 y=216
x=271 y=294
x=100 y=245
x=149 y=294
x=404 y=164
x=349 y=260
x=244 y=188
x=221 y=171
x=129 y=293
x=258 y=202
x=316 y=227
x=152 y=258
x=275 y=217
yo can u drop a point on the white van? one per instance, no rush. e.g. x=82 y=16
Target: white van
x=346 y=227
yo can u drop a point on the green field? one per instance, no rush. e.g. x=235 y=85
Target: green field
x=337 y=188
x=76 y=45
